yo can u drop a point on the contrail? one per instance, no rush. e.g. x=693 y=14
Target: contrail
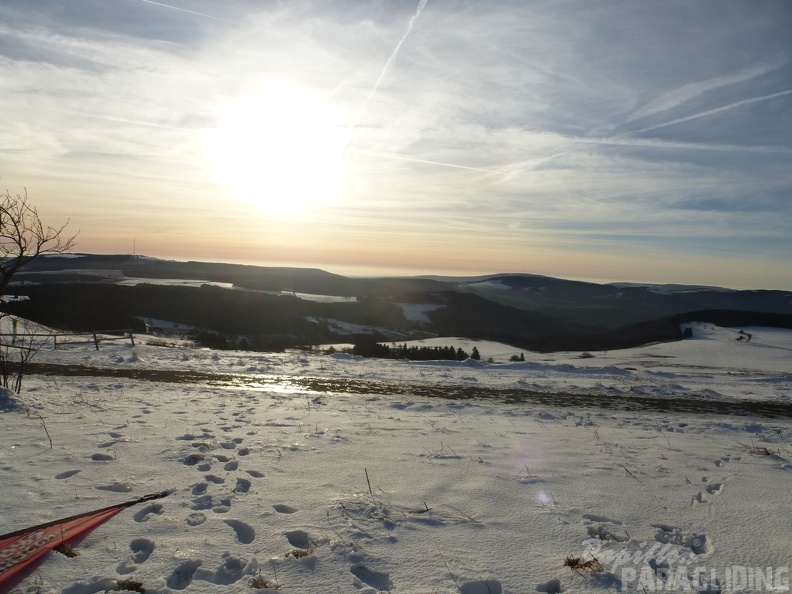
x=208 y=16
x=417 y=160
x=677 y=97
x=120 y=120
x=388 y=64
x=710 y=112
x=391 y=59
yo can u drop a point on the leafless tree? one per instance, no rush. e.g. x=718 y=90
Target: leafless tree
x=17 y=348
x=23 y=236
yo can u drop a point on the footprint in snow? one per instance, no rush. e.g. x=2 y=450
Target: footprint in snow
x=143 y=514
x=284 y=509
x=551 y=587
x=242 y=485
x=202 y=502
x=709 y=489
x=714 y=488
x=299 y=539
x=183 y=575
x=199 y=488
x=101 y=457
x=698 y=543
x=222 y=506
x=66 y=474
x=192 y=459
x=244 y=532
x=195 y=519
x=484 y=587
x=381 y=581
x=255 y=473
x=141 y=549
x=217 y=480
x=229 y=572
x=231 y=465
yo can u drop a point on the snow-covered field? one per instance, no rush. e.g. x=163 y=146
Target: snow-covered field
x=321 y=474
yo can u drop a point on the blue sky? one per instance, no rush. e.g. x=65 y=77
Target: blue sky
x=612 y=140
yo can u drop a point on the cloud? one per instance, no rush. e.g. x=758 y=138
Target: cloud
x=673 y=99
x=715 y=110
x=511 y=124
x=200 y=14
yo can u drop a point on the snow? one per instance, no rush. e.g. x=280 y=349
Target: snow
x=342 y=328
x=320 y=298
x=172 y=282
x=342 y=474
x=419 y=312
x=671 y=289
x=315 y=297
x=157 y=324
x=494 y=284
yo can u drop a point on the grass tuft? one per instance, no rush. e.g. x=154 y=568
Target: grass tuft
x=299 y=553
x=130 y=586
x=66 y=549
x=578 y=565
x=259 y=582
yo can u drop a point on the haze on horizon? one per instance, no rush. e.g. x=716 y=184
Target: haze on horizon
x=616 y=141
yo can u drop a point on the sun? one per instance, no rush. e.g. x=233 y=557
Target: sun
x=281 y=149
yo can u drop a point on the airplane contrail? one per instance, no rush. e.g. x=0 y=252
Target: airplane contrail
x=391 y=58
x=208 y=16
x=397 y=157
x=120 y=120
x=710 y=112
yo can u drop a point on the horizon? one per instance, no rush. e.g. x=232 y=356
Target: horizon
x=383 y=272
x=639 y=143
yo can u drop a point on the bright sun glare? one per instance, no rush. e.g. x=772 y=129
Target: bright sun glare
x=281 y=149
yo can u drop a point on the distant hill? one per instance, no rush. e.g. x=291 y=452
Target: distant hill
x=266 y=307
x=613 y=305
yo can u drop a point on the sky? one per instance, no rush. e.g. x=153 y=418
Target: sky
x=607 y=141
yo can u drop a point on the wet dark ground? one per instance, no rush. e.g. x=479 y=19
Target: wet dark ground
x=512 y=395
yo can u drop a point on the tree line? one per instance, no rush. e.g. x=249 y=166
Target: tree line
x=379 y=350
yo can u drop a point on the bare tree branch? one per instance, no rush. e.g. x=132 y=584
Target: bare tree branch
x=24 y=237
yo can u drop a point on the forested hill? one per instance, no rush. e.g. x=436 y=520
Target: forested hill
x=261 y=307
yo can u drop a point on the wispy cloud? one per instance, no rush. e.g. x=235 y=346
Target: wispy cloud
x=716 y=110
x=394 y=53
x=201 y=14
x=677 y=97
x=409 y=159
x=520 y=126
